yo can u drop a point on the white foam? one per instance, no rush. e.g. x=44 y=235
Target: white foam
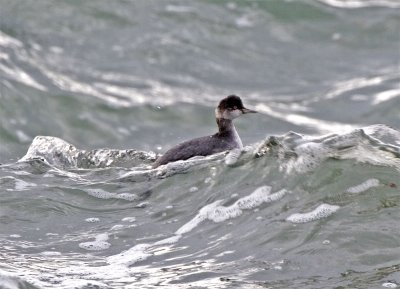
x=129 y=219
x=81 y=283
x=98 y=244
x=142 y=205
x=389 y=285
x=221 y=213
x=127 y=196
x=374 y=144
x=131 y=256
x=50 y=253
x=214 y=212
x=309 y=156
x=322 y=211
x=82 y=272
x=171 y=240
x=92 y=220
x=258 y=197
x=50 y=149
x=370 y=183
x=233 y=156
x=95 y=245
x=102 y=194
x=117 y=227
x=217 y=213
x=200 y=217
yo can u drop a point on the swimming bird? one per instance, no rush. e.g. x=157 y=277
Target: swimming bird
x=225 y=139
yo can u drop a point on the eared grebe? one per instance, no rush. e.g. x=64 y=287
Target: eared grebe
x=226 y=138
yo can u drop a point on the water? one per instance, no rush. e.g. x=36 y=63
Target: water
x=91 y=92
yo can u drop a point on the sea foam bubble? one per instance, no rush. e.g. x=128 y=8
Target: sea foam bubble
x=98 y=244
x=389 y=285
x=370 y=183
x=131 y=256
x=233 y=156
x=92 y=220
x=214 y=212
x=322 y=211
x=218 y=213
x=102 y=194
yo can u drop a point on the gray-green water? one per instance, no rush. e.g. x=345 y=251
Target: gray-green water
x=113 y=83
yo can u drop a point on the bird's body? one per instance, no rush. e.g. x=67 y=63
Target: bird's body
x=226 y=138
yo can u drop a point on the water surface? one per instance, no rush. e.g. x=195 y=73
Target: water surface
x=91 y=92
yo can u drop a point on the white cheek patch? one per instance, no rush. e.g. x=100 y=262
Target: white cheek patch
x=232 y=114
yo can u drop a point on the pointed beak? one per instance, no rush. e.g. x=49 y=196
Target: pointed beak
x=246 y=110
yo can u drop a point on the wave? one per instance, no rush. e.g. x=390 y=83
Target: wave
x=376 y=144
x=260 y=194
x=60 y=153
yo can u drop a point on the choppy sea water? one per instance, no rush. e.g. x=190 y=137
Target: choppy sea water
x=92 y=92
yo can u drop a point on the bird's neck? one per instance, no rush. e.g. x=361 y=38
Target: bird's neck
x=227 y=129
x=225 y=125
